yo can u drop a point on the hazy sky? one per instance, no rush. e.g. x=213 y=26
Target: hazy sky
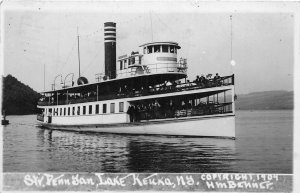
x=46 y=33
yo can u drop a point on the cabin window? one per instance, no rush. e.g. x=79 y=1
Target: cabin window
x=156 y=48
x=90 y=109
x=129 y=61
x=64 y=111
x=145 y=48
x=140 y=59
x=121 y=65
x=50 y=110
x=83 y=110
x=112 y=107
x=104 y=108
x=78 y=110
x=97 y=109
x=172 y=49
x=149 y=49
x=164 y=48
x=68 y=110
x=73 y=111
x=132 y=60
x=121 y=107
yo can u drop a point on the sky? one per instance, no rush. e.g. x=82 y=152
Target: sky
x=42 y=35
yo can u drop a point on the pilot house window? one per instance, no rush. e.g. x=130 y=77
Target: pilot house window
x=149 y=49
x=172 y=50
x=156 y=48
x=164 y=48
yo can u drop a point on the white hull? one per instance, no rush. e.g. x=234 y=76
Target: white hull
x=205 y=126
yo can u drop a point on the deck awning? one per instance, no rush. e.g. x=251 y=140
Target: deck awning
x=151 y=79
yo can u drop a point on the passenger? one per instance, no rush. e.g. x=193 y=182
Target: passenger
x=197 y=80
x=189 y=105
x=169 y=85
x=174 y=84
x=208 y=76
x=188 y=83
x=179 y=85
x=202 y=79
x=136 y=113
x=217 y=79
x=125 y=89
x=130 y=112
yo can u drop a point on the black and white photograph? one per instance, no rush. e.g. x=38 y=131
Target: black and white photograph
x=149 y=95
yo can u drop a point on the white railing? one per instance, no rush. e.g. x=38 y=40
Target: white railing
x=153 y=69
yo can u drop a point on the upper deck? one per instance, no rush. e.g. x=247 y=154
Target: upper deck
x=152 y=58
x=97 y=92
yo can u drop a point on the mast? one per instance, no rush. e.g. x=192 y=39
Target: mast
x=230 y=37
x=232 y=62
x=44 y=77
x=78 y=50
x=151 y=26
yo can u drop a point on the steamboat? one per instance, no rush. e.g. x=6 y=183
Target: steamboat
x=144 y=92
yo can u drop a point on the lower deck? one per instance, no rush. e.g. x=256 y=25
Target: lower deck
x=211 y=101
x=222 y=125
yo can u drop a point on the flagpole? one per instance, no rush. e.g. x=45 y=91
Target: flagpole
x=78 y=50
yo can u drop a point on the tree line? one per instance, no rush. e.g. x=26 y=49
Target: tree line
x=18 y=98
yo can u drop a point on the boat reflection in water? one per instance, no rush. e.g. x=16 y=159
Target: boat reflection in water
x=94 y=152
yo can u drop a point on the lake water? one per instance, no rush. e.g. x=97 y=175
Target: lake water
x=264 y=144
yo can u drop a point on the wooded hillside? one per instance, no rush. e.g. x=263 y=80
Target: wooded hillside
x=18 y=98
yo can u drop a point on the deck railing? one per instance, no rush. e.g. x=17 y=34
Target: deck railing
x=223 y=81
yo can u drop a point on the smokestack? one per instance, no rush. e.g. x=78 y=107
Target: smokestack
x=110 y=49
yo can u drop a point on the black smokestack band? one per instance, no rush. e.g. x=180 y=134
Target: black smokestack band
x=110 y=49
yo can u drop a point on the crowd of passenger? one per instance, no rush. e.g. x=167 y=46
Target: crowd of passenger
x=156 y=110
x=200 y=81
x=168 y=86
x=208 y=80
